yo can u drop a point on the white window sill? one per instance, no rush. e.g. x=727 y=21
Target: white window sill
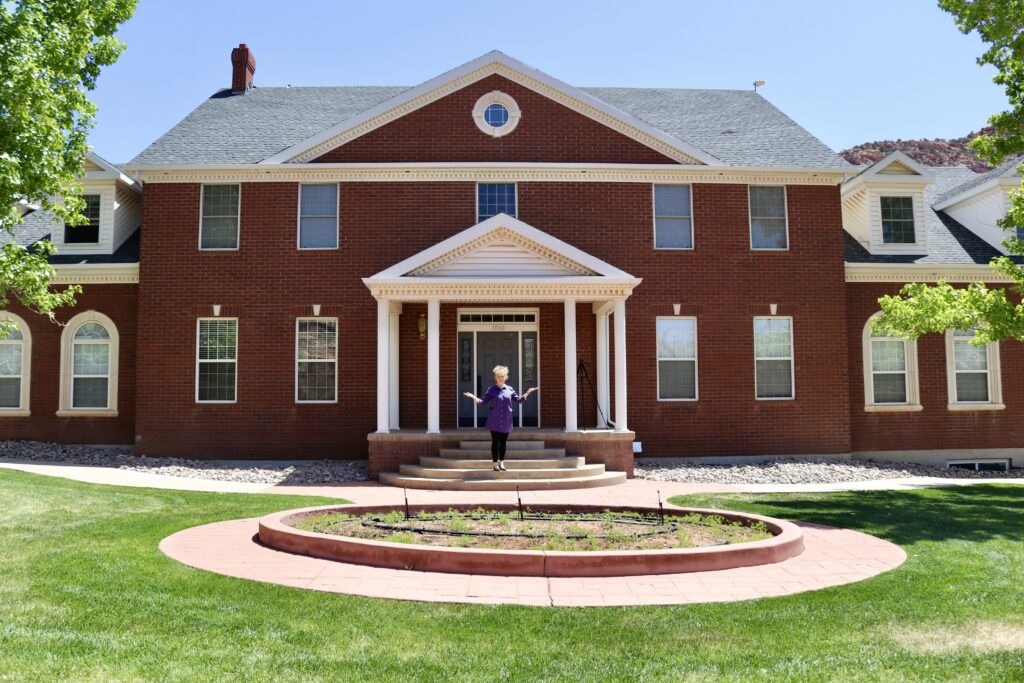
x=893 y=408
x=87 y=413
x=976 y=406
x=15 y=413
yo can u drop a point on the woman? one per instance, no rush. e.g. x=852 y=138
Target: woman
x=499 y=414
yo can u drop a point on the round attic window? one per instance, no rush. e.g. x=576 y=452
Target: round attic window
x=496 y=114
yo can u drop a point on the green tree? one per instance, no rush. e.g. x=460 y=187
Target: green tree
x=51 y=52
x=921 y=308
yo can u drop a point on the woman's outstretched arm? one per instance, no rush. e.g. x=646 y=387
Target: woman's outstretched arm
x=468 y=394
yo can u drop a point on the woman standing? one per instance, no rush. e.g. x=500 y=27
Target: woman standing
x=499 y=414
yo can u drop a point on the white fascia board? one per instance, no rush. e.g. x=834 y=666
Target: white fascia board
x=528 y=232
x=481 y=64
x=923 y=272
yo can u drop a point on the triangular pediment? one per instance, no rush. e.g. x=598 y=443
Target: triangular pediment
x=500 y=248
x=493 y=63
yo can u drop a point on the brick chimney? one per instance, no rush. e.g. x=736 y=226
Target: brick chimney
x=243 y=66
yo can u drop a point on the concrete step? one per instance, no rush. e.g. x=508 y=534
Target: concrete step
x=485 y=452
x=404 y=481
x=463 y=474
x=511 y=445
x=513 y=464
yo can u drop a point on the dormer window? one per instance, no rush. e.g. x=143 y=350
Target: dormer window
x=898 y=220
x=86 y=233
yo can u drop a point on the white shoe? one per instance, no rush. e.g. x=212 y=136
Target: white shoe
x=501 y=465
x=497 y=468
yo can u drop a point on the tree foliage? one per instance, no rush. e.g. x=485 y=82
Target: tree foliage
x=920 y=308
x=51 y=53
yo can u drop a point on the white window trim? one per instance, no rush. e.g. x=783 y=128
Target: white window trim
x=67 y=349
x=696 y=362
x=23 y=409
x=750 y=216
x=99 y=224
x=337 y=337
x=235 y=361
x=792 y=357
x=913 y=402
x=515 y=187
x=995 y=383
x=496 y=97
x=238 y=229
x=298 y=219
x=654 y=220
x=914 y=196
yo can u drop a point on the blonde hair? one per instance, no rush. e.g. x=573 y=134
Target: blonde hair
x=500 y=370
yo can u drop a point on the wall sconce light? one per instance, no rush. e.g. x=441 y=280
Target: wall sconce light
x=774 y=308
x=216 y=310
x=676 y=308
x=316 y=310
x=421 y=325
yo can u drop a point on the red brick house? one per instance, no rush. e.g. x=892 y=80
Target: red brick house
x=320 y=272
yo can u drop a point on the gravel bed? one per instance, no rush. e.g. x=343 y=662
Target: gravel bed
x=801 y=471
x=306 y=472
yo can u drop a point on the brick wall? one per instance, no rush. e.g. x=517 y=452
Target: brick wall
x=268 y=283
x=935 y=427
x=445 y=131
x=118 y=302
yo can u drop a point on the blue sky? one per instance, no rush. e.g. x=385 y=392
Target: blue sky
x=847 y=71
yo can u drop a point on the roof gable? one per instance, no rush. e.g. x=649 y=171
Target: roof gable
x=502 y=247
x=487 y=65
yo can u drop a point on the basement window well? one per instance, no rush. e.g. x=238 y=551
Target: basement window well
x=988 y=465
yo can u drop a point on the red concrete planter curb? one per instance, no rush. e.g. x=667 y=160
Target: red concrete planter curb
x=275 y=531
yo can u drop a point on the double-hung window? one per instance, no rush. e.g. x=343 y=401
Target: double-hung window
x=216 y=360
x=888 y=371
x=220 y=213
x=15 y=350
x=316 y=360
x=86 y=233
x=677 y=359
x=897 y=220
x=673 y=224
x=90 y=367
x=973 y=371
x=773 y=358
x=768 y=217
x=318 y=216
x=495 y=198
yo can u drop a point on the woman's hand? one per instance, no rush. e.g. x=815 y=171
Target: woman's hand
x=530 y=391
x=469 y=395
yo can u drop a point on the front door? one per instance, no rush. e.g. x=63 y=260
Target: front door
x=482 y=349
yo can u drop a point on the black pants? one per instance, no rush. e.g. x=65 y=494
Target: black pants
x=498 y=441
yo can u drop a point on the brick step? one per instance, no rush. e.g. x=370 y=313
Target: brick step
x=510 y=454
x=484 y=463
x=511 y=445
x=537 y=473
x=603 y=479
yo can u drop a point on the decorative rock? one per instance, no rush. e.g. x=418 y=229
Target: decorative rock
x=304 y=472
x=801 y=471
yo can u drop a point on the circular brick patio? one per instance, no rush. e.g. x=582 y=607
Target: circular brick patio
x=831 y=557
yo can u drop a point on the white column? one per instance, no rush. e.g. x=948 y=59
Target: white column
x=395 y=312
x=601 y=369
x=433 y=366
x=570 y=365
x=383 y=363
x=620 y=365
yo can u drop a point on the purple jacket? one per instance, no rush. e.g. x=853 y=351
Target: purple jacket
x=499 y=414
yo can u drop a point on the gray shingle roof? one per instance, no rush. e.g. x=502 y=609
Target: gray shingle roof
x=949 y=242
x=35 y=226
x=39 y=225
x=737 y=126
x=978 y=179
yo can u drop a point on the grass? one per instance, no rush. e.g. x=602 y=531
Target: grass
x=86 y=595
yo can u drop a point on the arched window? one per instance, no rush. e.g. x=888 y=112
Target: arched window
x=89 y=355
x=890 y=372
x=15 y=367
x=972 y=373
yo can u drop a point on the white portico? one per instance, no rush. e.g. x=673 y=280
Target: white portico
x=503 y=262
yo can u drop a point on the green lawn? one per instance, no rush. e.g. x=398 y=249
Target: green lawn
x=86 y=595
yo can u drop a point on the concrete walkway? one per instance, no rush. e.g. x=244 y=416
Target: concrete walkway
x=646 y=491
